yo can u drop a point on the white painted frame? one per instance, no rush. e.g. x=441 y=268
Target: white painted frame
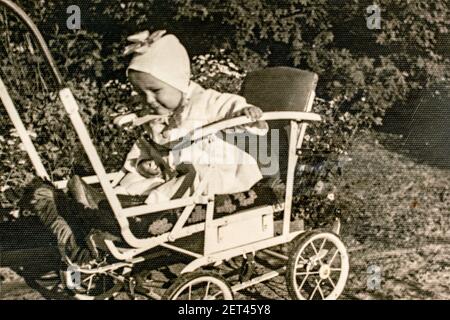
x=107 y=181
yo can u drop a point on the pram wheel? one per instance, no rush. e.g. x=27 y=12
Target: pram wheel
x=318 y=267
x=199 y=285
x=97 y=287
x=94 y=285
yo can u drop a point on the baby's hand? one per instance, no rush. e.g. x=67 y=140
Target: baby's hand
x=252 y=112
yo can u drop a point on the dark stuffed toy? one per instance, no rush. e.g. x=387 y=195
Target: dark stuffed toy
x=58 y=213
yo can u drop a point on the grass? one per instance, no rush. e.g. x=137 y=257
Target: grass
x=396 y=218
x=392 y=201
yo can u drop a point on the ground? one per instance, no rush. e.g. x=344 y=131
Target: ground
x=400 y=223
x=396 y=227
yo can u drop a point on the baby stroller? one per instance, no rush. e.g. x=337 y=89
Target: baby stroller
x=315 y=267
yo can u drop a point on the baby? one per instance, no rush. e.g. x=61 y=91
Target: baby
x=160 y=72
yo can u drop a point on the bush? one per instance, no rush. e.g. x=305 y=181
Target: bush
x=362 y=72
x=54 y=137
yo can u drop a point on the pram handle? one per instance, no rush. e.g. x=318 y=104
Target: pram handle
x=38 y=36
x=134 y=120
x=215 y=127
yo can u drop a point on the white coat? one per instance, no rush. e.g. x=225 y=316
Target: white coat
x=227 y=168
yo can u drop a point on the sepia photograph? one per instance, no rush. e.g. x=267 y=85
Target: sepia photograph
x=224 y=150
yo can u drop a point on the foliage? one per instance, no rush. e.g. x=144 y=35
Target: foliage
x=362 y=72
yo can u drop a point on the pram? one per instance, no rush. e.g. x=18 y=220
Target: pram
x=316 y=266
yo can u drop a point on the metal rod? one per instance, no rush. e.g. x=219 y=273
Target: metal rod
x=275 y=254
x=178 y=249
x=110 y=267
x=262 y=278
x=292 y=161
x=22 y=131
x=37 y=34
x=71 y=107
x=88 y=179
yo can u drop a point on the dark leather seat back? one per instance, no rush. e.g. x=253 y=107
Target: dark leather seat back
x=279 y=88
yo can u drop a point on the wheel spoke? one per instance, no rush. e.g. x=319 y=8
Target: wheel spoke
x=321 y=248
x=317 y=253
x=333 y=257
x=303 y=259
x=314 y=247
x=332 y=282
x=320 y=290
x=90 y=284
x=88 y=278
x=314 y=291
x=306 y=273
x=302 y=284
x=323 y=244
x=207 y=290
x=335 y=269
x=301 y=266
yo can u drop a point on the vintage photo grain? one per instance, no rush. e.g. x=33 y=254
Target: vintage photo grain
x=224 y=150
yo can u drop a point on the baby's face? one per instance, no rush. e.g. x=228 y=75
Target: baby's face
x=161 y=97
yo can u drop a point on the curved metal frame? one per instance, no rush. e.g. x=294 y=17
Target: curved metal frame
x=298 y=126
x=6 y=99
x=131 y=256
x=39 y=38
